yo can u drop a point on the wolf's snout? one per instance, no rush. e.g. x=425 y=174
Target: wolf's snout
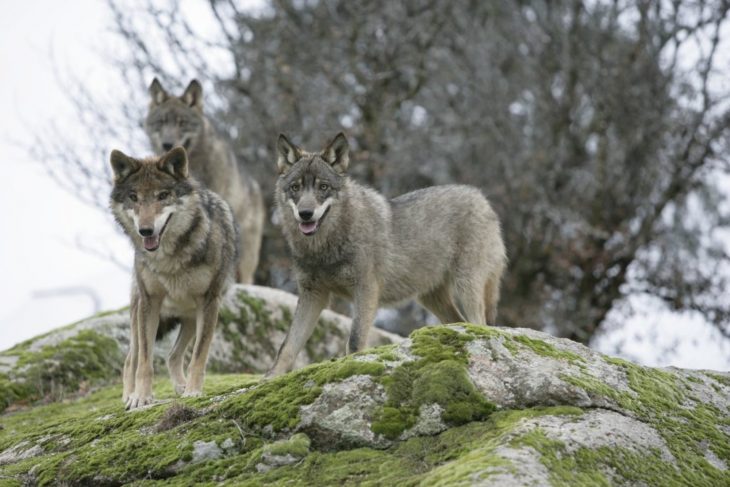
x=146 y=232
x=166 y=146
x=306 y=214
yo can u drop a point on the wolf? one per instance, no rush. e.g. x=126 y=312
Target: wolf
x=442 y=245
x=185 y=254
x=179 y=121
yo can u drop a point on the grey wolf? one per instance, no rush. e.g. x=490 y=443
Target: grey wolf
x=179 y=121
x=185 y=250
x=442 y=245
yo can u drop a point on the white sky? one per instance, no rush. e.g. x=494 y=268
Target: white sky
x=41 y=223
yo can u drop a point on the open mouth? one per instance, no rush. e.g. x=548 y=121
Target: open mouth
x=153 y=243
x=311 y=227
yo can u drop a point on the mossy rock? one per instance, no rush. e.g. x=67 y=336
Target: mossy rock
x=90 y=352
x=520 y=408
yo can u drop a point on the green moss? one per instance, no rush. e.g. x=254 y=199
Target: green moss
x=383 y=353
x=55 y=371
x=438 y=343
x=659 y=399
x=547 y=350
x=94 y=441
x=296 y=446
x=437 y=377
x=276 y=402
x=722 y=379
x=585 y=466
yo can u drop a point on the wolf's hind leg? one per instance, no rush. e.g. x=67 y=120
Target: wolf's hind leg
x=439 y=302
x=177 y=354
x=365 y=307
x=469 y=295
x=204 y=328
x=491 y=299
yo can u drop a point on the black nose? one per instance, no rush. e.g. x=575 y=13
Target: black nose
x=305 y=214
x=166 y=146
x=146 y=232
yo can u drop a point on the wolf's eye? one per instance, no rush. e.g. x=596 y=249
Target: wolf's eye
x=294 y=187
x=163 y=195
x=133 y=197
x=324 y=187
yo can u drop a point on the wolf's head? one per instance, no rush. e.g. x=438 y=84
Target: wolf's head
x=310 y=183
x=147 y=193
x=174 y=120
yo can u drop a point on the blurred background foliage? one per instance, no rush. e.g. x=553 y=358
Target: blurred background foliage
x=598 y=130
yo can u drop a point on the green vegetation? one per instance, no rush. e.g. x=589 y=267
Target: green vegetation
x=56 y=371
x=92 y=440
x=276 y=402
x=437 y=377
x=688 y=427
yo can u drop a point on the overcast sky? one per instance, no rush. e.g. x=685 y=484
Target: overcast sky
x=47 y=279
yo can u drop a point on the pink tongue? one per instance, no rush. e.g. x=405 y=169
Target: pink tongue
x=151 y=243
x=307 y=227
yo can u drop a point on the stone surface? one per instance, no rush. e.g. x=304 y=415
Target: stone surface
x=450 y=405
x=205 y=450
x=253 y=323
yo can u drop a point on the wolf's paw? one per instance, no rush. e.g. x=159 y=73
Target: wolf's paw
x=179 y=387
x=135 y=401
x=192 y=393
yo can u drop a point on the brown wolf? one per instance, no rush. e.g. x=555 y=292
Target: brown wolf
x=442 y=245
x=185 y=244
x=179 y=121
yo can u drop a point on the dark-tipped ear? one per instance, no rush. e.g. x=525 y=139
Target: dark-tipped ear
x=337 y=153
x=193 y=95
x=287 y=154
x=122 y=165
x=175 y=163
x=157 y=93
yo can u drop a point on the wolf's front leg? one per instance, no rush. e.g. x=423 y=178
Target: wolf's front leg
x=130 y=363
x=148 y=319
x=365 y=307
x=310 y=305
x=205 y=326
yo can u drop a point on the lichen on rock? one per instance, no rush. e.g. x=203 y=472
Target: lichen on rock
x=451 y=405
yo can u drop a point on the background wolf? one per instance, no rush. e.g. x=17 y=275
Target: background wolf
x=179 y=121
x=185 y=244
x=442 y=245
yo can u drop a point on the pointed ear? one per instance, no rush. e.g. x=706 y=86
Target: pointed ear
x=175 y=163
x=122 y=165
x=157 y=93
x=337 y=153
x=193 y=95
x=287 y=154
